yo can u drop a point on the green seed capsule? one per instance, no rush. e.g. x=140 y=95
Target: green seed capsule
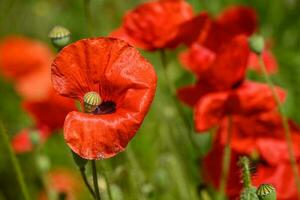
x=91 y=101
x=60 y=36
x=256 y=44
x=266 y=192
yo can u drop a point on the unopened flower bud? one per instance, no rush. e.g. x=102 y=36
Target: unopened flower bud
x=266 y=192
x=257 y=43
x=91 y=101
x=60 y=36
x=35 y=137
x=43 y=163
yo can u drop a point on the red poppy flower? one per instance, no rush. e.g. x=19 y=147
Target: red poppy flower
x=50 y=112
x=27 y=63
x=259 y=134
x=64 y=182
x=248 y=99
x=280 y=176
x=217 y=32
x=22 y=141
x=216 y=72
x=126 y=83
x=154 y=25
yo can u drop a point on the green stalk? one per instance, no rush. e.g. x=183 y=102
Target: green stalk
x=95 y=180
x=284 y=120
x=226 y=160
x=15 y=163
x=86 y=182
x=88 y=16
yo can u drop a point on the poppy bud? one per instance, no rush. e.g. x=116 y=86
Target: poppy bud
x=91 y=101
x=60 y=36
x=266 y=192
x=35 y=137
x=257 y=43
x=43 y=163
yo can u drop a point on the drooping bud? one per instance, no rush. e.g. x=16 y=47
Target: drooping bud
x=256 y=44
x=266 y=192
x=91 y=101
x=60 y=36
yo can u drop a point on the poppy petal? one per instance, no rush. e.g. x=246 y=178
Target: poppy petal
x=153 y=25
x=121 y=76
x=197 y=59
x=230 y=65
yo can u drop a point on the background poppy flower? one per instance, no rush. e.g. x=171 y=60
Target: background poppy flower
x=216 y=72
x=62 y=181
x=249 y=99
x=27 y=63
x=22 y=142
x=126 y=83
x=154 y=25
x=50 y=112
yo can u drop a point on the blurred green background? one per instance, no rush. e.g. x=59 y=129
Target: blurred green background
x=160 y=162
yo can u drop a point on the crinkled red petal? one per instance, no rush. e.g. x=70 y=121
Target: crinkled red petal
x=119 y=74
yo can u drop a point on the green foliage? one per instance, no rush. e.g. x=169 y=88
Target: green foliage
x=159 y=162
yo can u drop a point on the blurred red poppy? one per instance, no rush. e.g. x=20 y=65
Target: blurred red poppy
x=259 y=134
x=235 y=20
x=22 y=142
x=154 y=25
x=63 y=182
x=216 y=72
x=126 y=83
x=248 y=99
x=50 y=112
x=27 y=63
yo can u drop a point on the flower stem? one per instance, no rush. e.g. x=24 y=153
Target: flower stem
x=88 y=16
x=95 y=180
x=15 y=163
x=226 y=159
x=86 y=182
x=284 y=120
x=179 y=109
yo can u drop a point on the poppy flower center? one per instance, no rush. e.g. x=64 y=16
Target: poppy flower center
x=106 y=107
